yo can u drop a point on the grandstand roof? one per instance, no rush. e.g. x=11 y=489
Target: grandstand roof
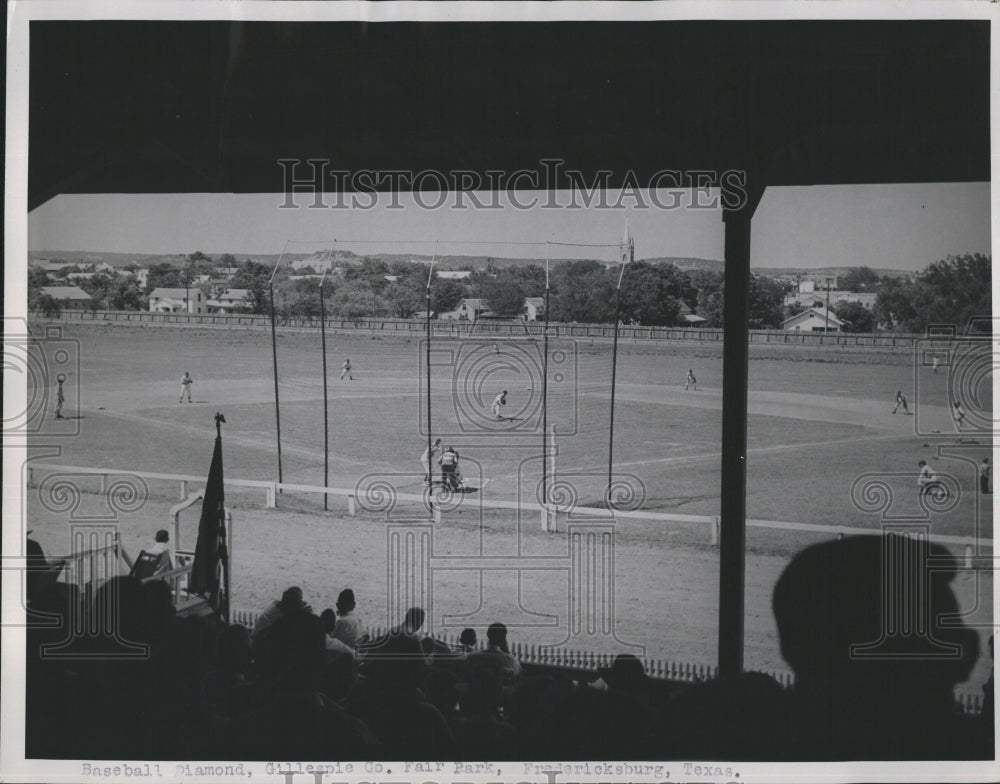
x=778 y=99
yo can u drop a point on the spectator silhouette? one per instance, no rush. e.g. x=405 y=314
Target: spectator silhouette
x=467 y=642
x=480 y=729
x=392 y=703
x=725 y=719
x=412 y=622
x=496 y=657
x=349 y=628
x=291 y=602
x=294 y=719
x=862 y=691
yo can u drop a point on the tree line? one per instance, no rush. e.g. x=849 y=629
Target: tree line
x=950 y=291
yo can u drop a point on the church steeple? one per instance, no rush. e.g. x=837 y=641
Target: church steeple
x=627 y=246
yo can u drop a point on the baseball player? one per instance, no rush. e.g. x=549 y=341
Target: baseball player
x=499 y=402
x=959 y=414
x=450 y=476
x=691 y=381
x=901 y=401
x=426 y=458
x=186 y=382
x=926 y=479
x=60 y=396
x=347 y=370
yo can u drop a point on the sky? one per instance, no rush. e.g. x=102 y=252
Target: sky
x=902 y=227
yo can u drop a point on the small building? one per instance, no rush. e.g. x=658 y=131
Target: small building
x=687 y=317
x=69 y=297
x=813 y=320
x=230 y=301
x=534 y=309
x=467 y=310
x=453 y=274
x=177 y=300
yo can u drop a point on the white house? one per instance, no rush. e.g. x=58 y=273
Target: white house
x=814 y=320
x=230 y=301
x=177 y=300
x=69 y=297
x=534 y=309
x=467 y=310
x=453 y=274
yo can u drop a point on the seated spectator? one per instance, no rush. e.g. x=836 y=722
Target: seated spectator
x=479 y=728
x=626 y=673
x=594 y=724
x=40 y=574
x=292 y=718
x=863 y=690
x=391 y=702
x=328 y=621
x=291 y=602
x=412 y=623
x=349 y=628
x=152 y=560
x=467 y=642
x=725 y=718
x=496 y=656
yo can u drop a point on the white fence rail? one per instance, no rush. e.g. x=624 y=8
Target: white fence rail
x=550 y=516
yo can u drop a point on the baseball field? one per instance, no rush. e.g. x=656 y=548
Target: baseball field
x=821 y=422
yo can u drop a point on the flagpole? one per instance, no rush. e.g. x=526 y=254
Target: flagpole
x=427 y=316
x=223 y=548
x=626 y=257
x=545 y=396
x=326 y=411
x=614 y=371
x=274 y=355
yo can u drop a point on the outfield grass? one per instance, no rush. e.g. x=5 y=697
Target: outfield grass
x=818 y=421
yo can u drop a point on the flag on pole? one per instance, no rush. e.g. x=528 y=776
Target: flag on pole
x=204 y=578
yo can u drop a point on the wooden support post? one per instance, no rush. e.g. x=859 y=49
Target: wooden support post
x=735 y=356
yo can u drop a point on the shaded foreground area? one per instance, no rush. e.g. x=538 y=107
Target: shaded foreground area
x=874 y=680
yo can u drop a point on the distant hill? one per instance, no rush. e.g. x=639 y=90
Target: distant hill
x=448 y=262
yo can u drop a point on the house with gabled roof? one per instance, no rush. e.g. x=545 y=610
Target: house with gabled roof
x=177 y=300
x=69 y=297
x=814 y=320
